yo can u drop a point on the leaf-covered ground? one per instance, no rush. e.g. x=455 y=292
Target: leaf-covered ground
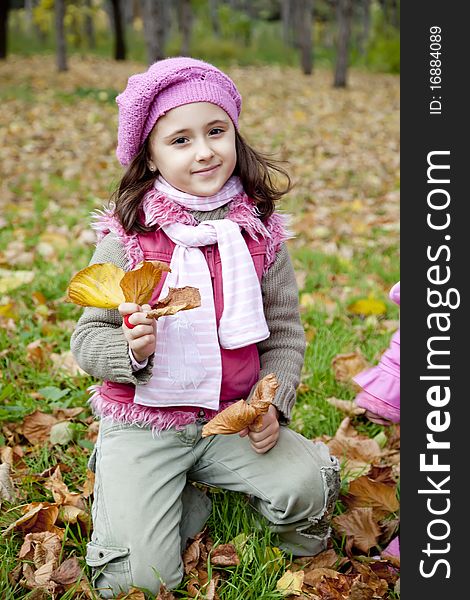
x=57 y=163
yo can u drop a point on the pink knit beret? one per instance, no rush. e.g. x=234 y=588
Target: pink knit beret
x=165 y=85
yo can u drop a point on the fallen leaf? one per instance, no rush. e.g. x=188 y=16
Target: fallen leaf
x=165 y=594
x=347 y=406
x=61 y=433
x=68 y=573
x=291 y=583
x=191 y=556
x=7 y=490
x=379 y=496
x=65 y=361
x=367 y=306
x=361 y=591
x=41 y=547
x=225 y=555
x=346 y=366
x=132 y=594
x=39 y=516
x=360 y=525
x=314 y=576
x=10 y=280
x=37 y=426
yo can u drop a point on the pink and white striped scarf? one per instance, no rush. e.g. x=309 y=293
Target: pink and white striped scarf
x=188 y=369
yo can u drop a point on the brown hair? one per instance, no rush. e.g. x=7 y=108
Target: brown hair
x=256 y=172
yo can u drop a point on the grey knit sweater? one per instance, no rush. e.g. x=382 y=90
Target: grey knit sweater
x=101 y=350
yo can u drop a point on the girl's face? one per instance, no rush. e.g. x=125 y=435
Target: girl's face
x=193 y=148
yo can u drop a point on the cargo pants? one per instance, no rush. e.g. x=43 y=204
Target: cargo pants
x=145 y=508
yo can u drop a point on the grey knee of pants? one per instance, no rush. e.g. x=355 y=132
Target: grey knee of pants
x=116 y=568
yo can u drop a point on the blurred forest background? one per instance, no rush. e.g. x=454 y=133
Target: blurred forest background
x=337 y=33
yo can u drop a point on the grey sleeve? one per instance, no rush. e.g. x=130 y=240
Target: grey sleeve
x=98 y=342
x=283 y=352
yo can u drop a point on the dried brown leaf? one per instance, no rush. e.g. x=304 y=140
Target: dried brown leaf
x=346 y=406
x=346 y=366
x=37 y=426
x=132 y=594
x=239 y=415
x=379 y=496
x=165 y=594
x=68 y=573
x=314 y=576
x=138 y=285
x=7 y=490
x=225 y=555
x=39 y=516
x=177 y=299
x=231 y=420
x=41 y=547
x=191 y=556
x=360 y=525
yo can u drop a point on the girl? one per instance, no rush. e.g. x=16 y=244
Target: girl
x=380 y=394
x=197 y=197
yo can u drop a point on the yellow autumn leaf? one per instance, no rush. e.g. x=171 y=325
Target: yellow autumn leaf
x=98 y=286
x=368 y=306
x=290 y=584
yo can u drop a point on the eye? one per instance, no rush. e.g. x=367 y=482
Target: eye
x=216 y=131
x=180 y=140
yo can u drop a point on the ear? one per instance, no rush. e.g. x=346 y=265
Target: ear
x=151 y=166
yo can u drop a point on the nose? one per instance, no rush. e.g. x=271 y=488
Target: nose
x=204 y=151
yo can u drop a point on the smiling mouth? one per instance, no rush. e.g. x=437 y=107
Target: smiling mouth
x=208 y=170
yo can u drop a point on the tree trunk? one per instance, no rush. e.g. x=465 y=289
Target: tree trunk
x=344 y=12
x=118 y=26
x=154 y=15
x=286 y=16
x=304 y=24
x=185 y=22
x=89 y=25
x=214 y=16
x=365 y=31
x=60 y=35
x=4 y=8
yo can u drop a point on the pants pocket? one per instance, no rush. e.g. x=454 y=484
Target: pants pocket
x=110 y=567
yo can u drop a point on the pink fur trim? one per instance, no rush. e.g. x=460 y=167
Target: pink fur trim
x=104 y=222
x=144 y=416
x=277 y=225
x=160 y=210
x=243 y=212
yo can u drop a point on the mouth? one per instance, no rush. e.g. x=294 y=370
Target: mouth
x=207 y=170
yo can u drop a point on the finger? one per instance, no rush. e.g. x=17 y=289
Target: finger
x=263 y=449
x=139 y=331
x=243 y=432
x=127 y=308
x=142 y=342
x=127 y=322
x=259 y=436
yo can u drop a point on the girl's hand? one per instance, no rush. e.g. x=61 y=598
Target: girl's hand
x=377 y=419
x=142 y=338
x=265 y=438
